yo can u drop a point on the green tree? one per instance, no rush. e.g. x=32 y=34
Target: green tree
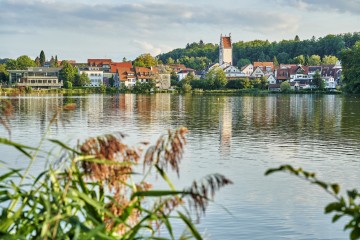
x=42 y=58
x=285 y=86
x=81 y=80
x=328 y=59
x=23 y=62
x=174 y=78
x=275 y=61
x=145 y=60
x=350 y=59
x=67 y=73
x=297 y=39
x=299 y=60
x=242 y=62
x=4 y=74
x=247 y=83
x=314 y=60
x=56 y=61
x=317 y=81
x=215 y=78
x=170 y=61
x=11 y=64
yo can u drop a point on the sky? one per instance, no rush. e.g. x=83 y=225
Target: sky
x=78 y=30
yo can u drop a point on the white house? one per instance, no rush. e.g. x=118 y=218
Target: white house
x=248 y=70
x=125 y=76
x=233 y=72
x=95 y=75
x=271 y=79
x=257 y=73
x=183 y=73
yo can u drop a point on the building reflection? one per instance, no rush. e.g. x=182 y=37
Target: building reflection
x=225 y=126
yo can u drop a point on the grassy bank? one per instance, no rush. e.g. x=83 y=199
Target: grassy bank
x=100 y=90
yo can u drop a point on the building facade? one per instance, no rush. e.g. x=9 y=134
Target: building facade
x=36 y=77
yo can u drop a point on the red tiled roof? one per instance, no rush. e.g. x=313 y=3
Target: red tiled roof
x=124 y=72
x=96 y=62
x=264 y=64
x=226 y=42
x=114 y=66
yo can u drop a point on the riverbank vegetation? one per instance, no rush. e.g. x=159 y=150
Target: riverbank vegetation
x=97 y=191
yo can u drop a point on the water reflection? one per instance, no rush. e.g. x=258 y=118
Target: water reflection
x=239 y=136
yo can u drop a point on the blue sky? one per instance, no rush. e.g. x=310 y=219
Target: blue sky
x=117 y=29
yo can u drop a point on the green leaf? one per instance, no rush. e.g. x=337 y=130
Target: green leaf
x=334 y=206
x=336 y=188
x=336 y=217
x=321 y=184
x=63 y=145
x=8 y=174
x=157 y=193
x=355 y=234
x=191 y=226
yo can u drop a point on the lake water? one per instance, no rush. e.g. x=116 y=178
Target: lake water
x=238 y=136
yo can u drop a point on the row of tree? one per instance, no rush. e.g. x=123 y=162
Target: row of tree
x=310 y=51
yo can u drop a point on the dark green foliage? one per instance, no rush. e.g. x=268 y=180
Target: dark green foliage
x=42 y=58
x=242 y=62
x=317 y=81
x=350 y=59
x=259 y=50
x=67 y=73
x=174 y=78
x=143 y=87
x=348 y=205
x=81 y=80
x=215 y=78
x=4 y=74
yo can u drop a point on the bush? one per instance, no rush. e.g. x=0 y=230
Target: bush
x=285 y=87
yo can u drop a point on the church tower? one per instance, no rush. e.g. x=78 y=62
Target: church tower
x=225 y=50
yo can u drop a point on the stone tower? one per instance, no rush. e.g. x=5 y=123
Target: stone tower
x=225 y=50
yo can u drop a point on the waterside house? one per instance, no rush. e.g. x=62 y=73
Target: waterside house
x=36 y=77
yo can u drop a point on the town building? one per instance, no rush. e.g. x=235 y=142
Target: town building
x=95 y=74
x=125 y=76
x=247 y=70
x=36 y=77
x=105 y=64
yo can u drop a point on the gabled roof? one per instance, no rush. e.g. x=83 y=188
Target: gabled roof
x=246 y=66
x=116 y=65
x=263 y=65
x=123 y=72
x=226 y=42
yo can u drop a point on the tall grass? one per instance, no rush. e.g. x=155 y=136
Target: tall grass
x=96 y=197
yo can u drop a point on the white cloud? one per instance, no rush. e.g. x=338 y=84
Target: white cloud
x=148 y=47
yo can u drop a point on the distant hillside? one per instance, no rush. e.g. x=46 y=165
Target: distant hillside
x=199 y=55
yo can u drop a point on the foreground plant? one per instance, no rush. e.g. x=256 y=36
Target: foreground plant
x=96 y=196
x=348 y=205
